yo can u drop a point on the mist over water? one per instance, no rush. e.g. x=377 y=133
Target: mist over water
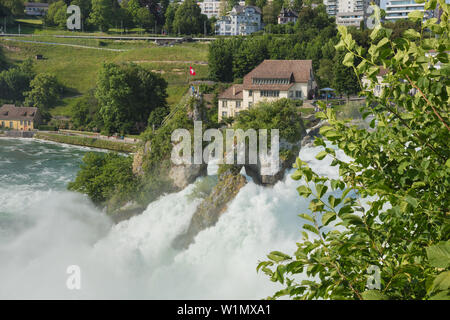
x=44 y=229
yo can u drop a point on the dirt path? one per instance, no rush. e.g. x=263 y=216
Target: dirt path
x=203 y=63
x=65 y=44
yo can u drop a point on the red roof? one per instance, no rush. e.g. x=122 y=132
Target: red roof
x=233 y=93
x=297 y=71
x=11 y=112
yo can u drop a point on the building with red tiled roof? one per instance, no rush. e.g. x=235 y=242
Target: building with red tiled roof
x=19 y=118
x=269 y=81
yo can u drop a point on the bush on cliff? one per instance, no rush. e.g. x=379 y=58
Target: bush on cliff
x=281 y=114
x=103 y=176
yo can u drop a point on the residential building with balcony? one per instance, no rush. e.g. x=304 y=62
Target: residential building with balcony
x=242 y=20
x=348 y=12
x=399 y=9
x=211 y=8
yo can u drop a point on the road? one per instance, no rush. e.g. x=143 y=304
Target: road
x=108 y=37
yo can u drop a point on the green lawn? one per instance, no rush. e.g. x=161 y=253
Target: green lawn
x=76 y=68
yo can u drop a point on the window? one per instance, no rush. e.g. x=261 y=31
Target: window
x=238 y=104
x=250 y=93
x=224 y=113
x=270 y=93
x=11 y=124
x=298 y=94
x=3 y=124
x=29 y=122
x=271 y=81
x=224 y=104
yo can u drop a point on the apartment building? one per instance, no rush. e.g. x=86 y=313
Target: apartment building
x=399 y=9
x=211 y=8
x=269 y=81
x=242 y=20
x=348 y=12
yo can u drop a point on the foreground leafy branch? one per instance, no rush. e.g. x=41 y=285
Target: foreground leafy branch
x=381 y=231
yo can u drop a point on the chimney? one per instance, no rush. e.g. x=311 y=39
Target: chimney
x=234 y=90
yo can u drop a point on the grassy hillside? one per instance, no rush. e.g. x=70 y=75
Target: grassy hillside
x=76 y=67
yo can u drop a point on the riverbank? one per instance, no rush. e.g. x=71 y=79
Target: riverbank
x=87 y=142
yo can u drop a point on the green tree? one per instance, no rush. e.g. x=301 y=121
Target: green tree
x=84 y=113
x=127 y=94
x=231 y=4
x=104 y=13
x=102 y=176
x=56 y=15
x=261 y=3
x=325 y=73
x=220 y=57
x=142 y=17
x=44 y=92
x=296 y=5
x=157 y=116
x=282 y=114
x=15 y=81
x=388 y=212
x=345 y=81
x=223 y=9
x=170 y=17
x=16 y=7
x=3 y=62
x=85 y=7
x=251 y=53
x=269 y=13
x=189 y=19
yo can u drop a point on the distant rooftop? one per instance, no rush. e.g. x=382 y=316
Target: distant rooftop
x=11 y=112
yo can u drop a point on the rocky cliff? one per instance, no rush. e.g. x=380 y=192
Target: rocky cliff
x=210 y=210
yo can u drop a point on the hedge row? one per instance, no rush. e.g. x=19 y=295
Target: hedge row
x=87 y=142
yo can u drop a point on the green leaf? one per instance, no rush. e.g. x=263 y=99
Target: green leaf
x=321 y=190
x=297 y=175
x=374 y=295
x=411 y=34
x=306 y=216
x=348 y=59
x=442 y=281
x=321 y=155
x=416 y=15
x=320 y=115
x=353 y=219
x=328 y=217
x=412 y=201
x=333 y=201
x=311 y=228
x=439 y=255
x=304 y=191
x=278 y=256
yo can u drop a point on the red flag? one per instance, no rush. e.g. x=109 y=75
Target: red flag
x=192 y=71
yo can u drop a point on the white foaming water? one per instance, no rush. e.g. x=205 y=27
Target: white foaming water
x=43 y=231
